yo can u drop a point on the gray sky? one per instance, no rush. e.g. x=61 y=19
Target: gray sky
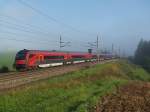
x=121 y=22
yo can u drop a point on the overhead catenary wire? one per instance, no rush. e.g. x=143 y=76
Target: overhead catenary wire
x=27 y=41
x=23 y=35
x=24 y=41
x=12 y=26
x=52 y=18
x=33 y=27
x=35 y=40
x=28 y=33
x=42 y=37
x=30 y=29
x=27 y=25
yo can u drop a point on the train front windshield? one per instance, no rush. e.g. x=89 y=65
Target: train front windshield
x=21 y=55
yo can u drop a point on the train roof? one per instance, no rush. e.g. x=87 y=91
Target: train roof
x=61 y=52
x=52 y=51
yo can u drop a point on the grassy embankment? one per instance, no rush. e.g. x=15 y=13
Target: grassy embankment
x=76 y=91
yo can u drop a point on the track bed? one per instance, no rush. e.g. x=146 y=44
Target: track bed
x=14 y=79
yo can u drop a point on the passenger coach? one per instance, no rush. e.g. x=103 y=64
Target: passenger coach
x=27 y=59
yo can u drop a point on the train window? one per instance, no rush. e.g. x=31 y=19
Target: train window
x=20 y=56
x=53 y=57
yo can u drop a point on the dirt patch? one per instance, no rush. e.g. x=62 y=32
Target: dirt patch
x=134 y=97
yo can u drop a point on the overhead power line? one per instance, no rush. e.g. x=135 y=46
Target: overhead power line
x=51 y=18
x=27 y=30
x=25 y=35
x=22 y=35
x=28 y=25
x=24 y=41
x=30 y=33
x=33 y=29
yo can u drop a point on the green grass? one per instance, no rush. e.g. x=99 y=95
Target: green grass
x=134 y=72
x=77 y=91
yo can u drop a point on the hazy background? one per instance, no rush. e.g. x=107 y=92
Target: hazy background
x=121 y=22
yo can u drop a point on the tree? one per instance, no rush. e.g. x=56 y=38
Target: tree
x=142 y=54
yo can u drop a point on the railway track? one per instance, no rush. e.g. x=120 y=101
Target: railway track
x=14 y=79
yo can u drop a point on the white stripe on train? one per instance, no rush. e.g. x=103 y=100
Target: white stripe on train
x=81 y=61
x=58 y=64
x=50 y=65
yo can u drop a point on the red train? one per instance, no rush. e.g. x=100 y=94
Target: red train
x=27 y=59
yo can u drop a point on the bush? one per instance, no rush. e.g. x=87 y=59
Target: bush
x=4 y=69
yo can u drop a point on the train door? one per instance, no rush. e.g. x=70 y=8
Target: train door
x=31 y=60
x=40 y=59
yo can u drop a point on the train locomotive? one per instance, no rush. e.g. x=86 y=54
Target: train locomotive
x=29 y=59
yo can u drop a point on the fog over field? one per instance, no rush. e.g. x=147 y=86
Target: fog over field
x=36 y=24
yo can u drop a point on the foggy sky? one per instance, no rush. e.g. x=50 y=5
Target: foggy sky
x=121 y=22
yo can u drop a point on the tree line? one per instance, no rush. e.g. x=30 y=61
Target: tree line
x=142 y=54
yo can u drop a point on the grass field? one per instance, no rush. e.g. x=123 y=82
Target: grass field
x=77 y=91
x=7 y=59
